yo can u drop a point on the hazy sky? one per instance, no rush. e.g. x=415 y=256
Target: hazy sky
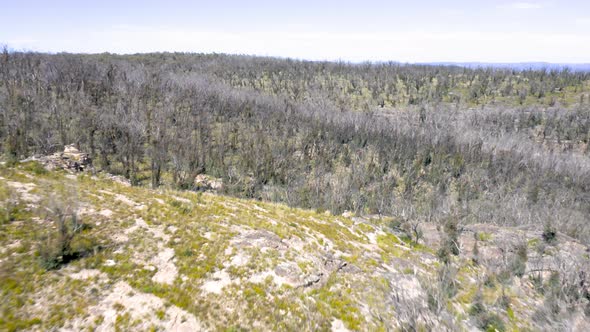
x=407 y=31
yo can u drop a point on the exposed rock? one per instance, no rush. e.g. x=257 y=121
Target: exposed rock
x=23 y=189
x=260 y=238
x=332 y=263
x=141 y=307
x=338 y=326
x=312 y=279
x=110 y=262
x=125 y=199
x=106 y=213
x=181 y=199
x=348 y=214
x=207 y=182
x=278 y=280
x=119 y=179
x=240 y=259
x=87 y=274
x=215 y=285
x=71 y=159
x=228 y=258
x=289 y=271
x=167 y=271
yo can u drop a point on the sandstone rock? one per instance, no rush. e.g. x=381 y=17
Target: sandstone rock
x=312 y=279
x=71 y=159
x=290 y=271
x=259 y=238
x=207 y=182
x=119 y=179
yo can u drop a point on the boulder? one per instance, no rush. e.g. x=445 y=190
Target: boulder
x=75 y=159
x=71 y=159
x=207 y=182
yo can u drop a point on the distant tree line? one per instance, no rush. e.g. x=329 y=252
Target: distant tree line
x=389 y=139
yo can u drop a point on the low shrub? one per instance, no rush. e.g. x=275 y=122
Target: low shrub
x=65 y=243
x=549 y=234
x=484 y=319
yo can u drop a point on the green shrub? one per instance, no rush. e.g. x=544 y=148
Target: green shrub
x=483 y=318
x=490 y=281
x=33 y=167
x=492 y=322
x=8 y=213
x=64 y=244
x=10 y=209
x=477 y=307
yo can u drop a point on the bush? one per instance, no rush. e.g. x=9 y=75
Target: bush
x=452 y=231
x=490 y=281
x=444 y=254
x=8 y=213
x=447 y=278
x=410 y=229
x=450 y=245
x=440 y=289
x=475 y=256
x=549 y=233
x=65 y=244
x=11 y=210
x=33 y=167
x=492 y=322
x=518 y=264
x=477 y=307
x=504 y=301
x=484 y=319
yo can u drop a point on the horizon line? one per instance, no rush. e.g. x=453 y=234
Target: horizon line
x=340 y=60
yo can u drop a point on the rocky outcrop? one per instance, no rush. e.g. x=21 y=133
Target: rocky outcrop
x=71 y=159
x=207 y=182
x=268 y=267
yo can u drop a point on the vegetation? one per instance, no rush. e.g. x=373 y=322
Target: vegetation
x=125 y=228
x=421 y=156
x=484 y=319
x=65 y=241
x=397 y=140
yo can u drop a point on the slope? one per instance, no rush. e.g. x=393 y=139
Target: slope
x=141 y=259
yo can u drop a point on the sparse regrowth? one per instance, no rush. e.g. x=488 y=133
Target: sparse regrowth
x=257 y=265
x=232 y=193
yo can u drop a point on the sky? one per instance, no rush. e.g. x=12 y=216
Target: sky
x=556 y=31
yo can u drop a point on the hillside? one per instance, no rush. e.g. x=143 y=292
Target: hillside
x=132 y=258
x=424 y=143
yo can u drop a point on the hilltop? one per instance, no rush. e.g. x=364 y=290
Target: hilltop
x=143 y=259
x=583 y=67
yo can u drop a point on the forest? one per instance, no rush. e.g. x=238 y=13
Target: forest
x=413 y=142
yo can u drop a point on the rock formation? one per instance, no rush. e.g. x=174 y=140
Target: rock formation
x=71 y=159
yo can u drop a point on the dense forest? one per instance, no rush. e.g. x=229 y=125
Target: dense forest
x=413 y=142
